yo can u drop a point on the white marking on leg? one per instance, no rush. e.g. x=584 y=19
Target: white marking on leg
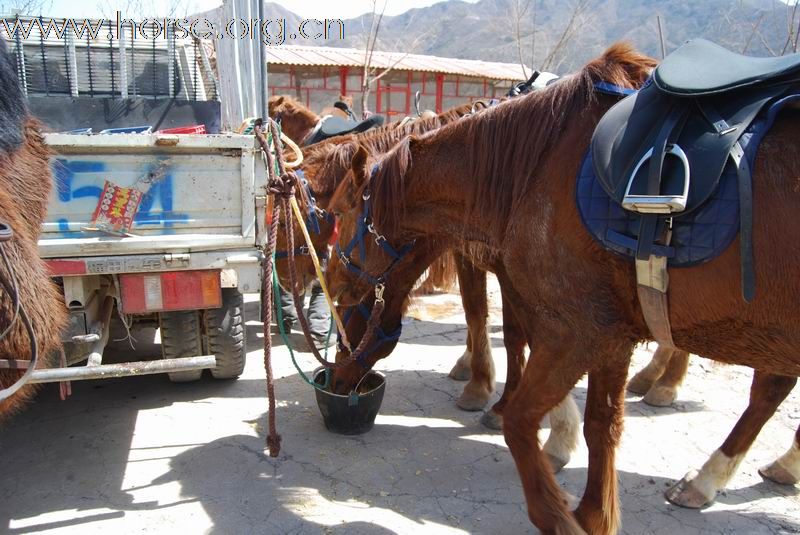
x=790 y=460
x=715 y=474
x=565 y=428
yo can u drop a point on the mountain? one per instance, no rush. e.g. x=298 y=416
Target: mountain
x=487 y=29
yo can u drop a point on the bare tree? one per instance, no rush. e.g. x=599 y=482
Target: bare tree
x=776 y=30
x=25 y=7
x=576 y=21
x=370 y=73
x=142 y=9
x=531 y=40
x=518 y=12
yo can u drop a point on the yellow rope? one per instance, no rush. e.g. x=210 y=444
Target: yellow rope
x=299 y=217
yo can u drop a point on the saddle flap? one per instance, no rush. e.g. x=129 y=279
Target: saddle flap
x=626 y=133
x=701 y=67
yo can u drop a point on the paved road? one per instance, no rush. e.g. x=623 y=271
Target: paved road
x=141 y=455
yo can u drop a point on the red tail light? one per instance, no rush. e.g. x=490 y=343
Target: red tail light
x=173 y=290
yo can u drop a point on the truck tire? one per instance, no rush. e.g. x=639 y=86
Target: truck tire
x=225 y=337
x=181 y=337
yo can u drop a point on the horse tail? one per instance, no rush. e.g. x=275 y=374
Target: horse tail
x=440 y=275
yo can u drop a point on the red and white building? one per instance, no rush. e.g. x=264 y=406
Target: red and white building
x=316 y=76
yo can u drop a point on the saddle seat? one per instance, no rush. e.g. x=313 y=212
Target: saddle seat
x=332 y=126
x=660 y=153
x=701 y=67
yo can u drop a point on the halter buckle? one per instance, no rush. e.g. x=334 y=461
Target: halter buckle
x=303 y=250
x=379 y=289
x=366 y=195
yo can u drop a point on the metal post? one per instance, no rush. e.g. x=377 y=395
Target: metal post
x=171 y=58
x=89 y=64
x=661 y=37
x=123 y=64
x=262 y=61
x=23 y=77
x=44 y=60
x=111 y=58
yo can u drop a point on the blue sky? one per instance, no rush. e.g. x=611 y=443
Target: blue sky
x=307 y=8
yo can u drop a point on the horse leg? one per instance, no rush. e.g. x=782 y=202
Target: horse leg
x=462 y=371
x=565 y=419
x=547 y=380
x=786 y=469
x=514 y=340
x=647 y=376
x=598 y=511
x=565 y=428
x=665 y=389
x=472 y=281
x=699 y=488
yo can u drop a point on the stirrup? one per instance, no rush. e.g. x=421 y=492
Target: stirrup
x=658 y=204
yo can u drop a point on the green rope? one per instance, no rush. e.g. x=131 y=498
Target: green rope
x=282 y=330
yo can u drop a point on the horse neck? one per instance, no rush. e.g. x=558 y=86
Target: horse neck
x=436 y=190
x=297 y=123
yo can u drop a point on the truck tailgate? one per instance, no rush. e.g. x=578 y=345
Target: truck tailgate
x=203 y=198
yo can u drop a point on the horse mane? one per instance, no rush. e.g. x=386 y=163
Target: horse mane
x=508 y=142
x=335 y=155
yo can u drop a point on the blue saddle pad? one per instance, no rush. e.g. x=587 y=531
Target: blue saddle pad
x=697 y=237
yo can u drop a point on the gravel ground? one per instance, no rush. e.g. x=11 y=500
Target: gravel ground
x=141 y=455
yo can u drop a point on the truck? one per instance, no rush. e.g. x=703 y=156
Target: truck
x=195 y=207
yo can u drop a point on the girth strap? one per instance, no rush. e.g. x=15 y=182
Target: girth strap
x=745 y=179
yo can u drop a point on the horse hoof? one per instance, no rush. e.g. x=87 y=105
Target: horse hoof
x=555 y=463
x=685 y=494
x=660 y=396
x=492 y=420
x=472 y=402
x=777 y=473
x=460 y=371
x=639 y=384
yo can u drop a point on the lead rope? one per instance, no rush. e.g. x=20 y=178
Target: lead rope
x=281 y=184
x=273 y=187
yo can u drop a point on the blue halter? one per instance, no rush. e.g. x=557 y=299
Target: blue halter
x=365 y=227
x=381 y=336
x=313 y=215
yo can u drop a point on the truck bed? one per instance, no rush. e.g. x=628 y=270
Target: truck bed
x=204 y=199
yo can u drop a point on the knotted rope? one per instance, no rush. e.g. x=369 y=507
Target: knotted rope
x=282 y=185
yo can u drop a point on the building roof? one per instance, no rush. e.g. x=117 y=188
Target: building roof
x=352 y=57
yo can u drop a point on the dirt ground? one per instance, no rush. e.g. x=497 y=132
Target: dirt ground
x=141 y=455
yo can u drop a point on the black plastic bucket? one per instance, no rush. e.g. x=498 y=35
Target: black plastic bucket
x=354 y=414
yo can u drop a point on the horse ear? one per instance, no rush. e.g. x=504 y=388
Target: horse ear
x=274 y=103
x=359 y=167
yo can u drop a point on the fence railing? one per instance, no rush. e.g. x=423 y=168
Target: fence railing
x=110 y=65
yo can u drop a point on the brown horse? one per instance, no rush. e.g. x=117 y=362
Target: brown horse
x=25 y=182
x=324 y=167
x=505 y=179
x=658 y=383
x=297 y=121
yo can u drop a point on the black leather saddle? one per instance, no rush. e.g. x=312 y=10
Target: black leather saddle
x=332 y=126
x=661 y=151
x=701 y=67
